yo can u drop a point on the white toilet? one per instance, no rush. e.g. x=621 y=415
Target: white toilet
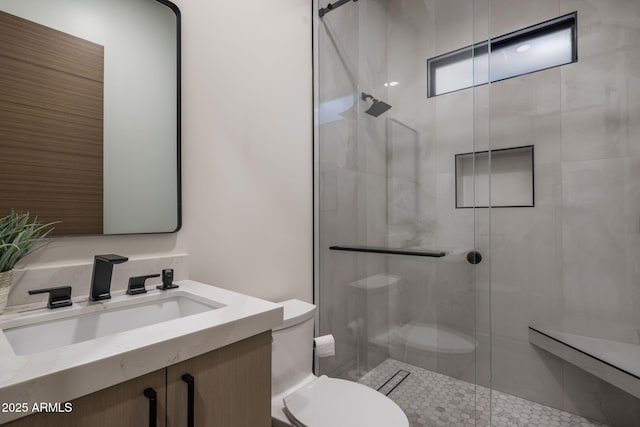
x=299 y=398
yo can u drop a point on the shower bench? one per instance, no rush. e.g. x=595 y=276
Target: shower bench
x=615 y=362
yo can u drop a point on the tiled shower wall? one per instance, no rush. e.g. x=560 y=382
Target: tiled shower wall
x=569 y=263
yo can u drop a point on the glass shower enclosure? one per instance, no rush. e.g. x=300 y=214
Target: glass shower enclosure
x=476 y=170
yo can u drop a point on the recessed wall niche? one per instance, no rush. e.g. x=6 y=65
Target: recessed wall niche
x=503 y=178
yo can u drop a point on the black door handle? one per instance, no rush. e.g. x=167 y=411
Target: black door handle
x=151 y=394
x=191 y=388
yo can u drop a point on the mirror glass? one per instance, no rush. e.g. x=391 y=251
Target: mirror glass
x=102 y=106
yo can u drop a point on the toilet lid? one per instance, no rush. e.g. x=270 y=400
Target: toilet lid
x=330 y=402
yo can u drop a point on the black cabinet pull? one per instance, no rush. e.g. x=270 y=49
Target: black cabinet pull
x=151 y=394
x=191 y=386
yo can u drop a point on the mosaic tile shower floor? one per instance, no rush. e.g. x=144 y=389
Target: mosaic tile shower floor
x=434 y=400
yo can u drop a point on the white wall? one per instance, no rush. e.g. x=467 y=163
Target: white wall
x=247 y=162
x=247 y=129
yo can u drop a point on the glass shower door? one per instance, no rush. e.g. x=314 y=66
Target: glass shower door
x=397 y=283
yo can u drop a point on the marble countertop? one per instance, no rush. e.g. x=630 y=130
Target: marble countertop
x=66 y=373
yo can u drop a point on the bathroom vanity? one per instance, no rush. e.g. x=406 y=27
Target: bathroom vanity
x=228 y=380
x=201 y=368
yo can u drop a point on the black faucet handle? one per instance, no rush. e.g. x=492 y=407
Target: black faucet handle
x=136 y=284
x=58 y=297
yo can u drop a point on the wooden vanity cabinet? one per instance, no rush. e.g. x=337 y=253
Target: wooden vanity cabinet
x=118 y=406
x=231 y=388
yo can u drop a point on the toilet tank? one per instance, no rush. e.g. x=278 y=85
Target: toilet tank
x=292 y=349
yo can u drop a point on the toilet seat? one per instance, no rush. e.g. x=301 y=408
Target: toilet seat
x=330 y=402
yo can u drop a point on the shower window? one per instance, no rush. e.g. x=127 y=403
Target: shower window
x=546 y=45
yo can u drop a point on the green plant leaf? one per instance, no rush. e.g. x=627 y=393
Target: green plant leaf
x=20 y=235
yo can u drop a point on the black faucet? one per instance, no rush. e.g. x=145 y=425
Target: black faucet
x=101 y=278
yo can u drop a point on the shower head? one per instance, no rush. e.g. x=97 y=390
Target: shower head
x=378 y=107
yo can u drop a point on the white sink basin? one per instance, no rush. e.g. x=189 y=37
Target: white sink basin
x=85 y=321
x=63 y=354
